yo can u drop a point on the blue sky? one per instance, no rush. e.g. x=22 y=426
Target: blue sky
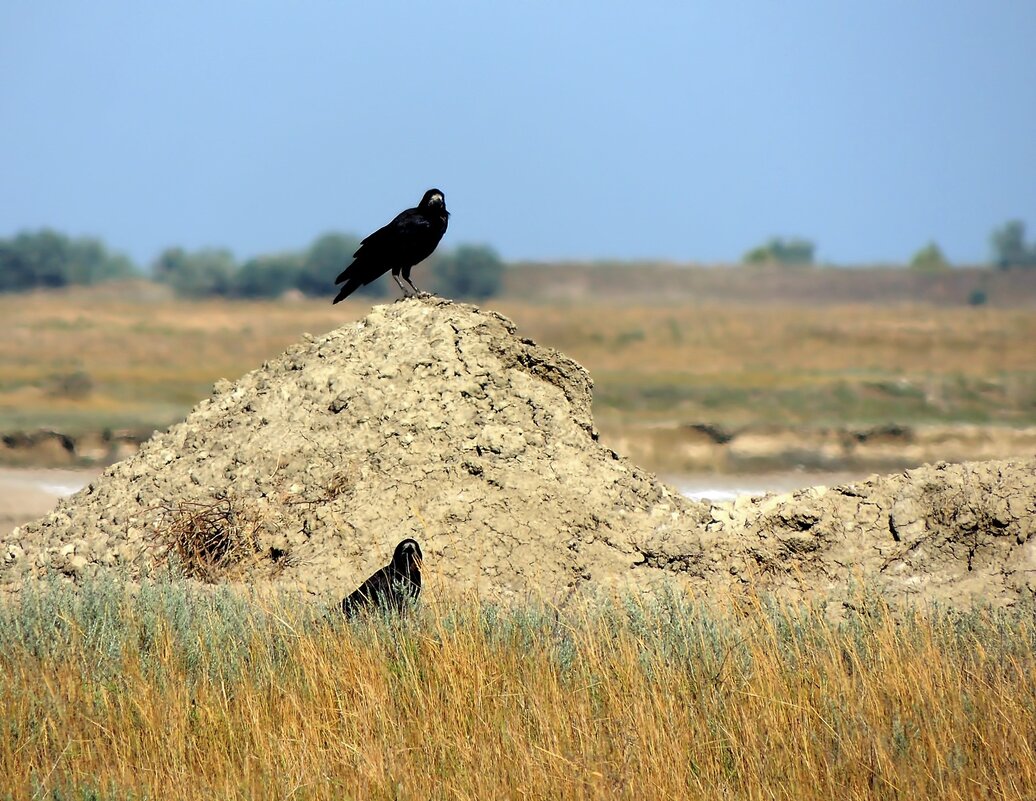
x=684 y=131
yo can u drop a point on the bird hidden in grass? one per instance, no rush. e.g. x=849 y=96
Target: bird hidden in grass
x=394 y=588
x=409 y=239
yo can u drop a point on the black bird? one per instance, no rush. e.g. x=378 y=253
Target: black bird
x=407 y=240
x=394 y=587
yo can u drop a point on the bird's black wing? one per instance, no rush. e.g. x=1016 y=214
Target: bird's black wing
x=373 y=592
x=387 y=247
x=388 y=590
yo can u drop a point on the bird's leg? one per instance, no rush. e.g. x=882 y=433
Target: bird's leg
x=420 y=294
x=403 y=289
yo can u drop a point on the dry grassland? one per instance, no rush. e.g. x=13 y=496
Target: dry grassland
x=176 y=695
x=89 y=360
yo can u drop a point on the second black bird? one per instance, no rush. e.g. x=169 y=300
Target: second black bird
x=409 y=239
x=393 y=588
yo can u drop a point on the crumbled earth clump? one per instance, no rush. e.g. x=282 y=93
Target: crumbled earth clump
x=438 y=421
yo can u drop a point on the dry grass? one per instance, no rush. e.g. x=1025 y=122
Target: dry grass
x=179 y=696
x=145 y=362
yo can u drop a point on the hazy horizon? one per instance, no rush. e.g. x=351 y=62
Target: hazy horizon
x=588 y=131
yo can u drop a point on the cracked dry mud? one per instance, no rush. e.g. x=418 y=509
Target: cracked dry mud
x=436 y=420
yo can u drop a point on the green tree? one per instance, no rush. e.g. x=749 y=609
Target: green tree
x=473 y=272
x=84 y=259
x=170 y=263
x=12 y=277
x=325 y=259
x=46 y=258
x=930 y=258
x=777 y=250
x=90 y=262
x=268 y=276
x=33 y=260
x=204 y=272
x=1010 y=248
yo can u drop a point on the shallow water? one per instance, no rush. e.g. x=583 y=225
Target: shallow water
x=30 y=492
x=728 y=487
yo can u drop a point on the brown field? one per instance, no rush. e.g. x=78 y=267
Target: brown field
x=176 y=692
x=174 y=695
x=100 y=358
x=652 y=282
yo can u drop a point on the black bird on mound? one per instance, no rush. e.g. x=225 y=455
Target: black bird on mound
x=407 y=240
x=393 y=588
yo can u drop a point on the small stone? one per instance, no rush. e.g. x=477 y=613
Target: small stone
x=14 y=553
x=75 y=566
x=125 y=554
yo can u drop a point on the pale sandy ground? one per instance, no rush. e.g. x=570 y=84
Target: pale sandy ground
x=30 y=492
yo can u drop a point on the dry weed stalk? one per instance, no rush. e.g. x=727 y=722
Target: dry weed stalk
x=211 y=540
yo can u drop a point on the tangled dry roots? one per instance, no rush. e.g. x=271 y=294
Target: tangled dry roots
x=210 y=541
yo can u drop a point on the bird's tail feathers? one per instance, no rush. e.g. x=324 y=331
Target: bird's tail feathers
x=347 y=289
x=344 y=274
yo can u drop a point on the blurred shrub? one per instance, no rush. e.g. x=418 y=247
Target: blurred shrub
x=471 y=272
x=788 y=252
x=1010 y=248
x=629 y=337
x=73 y=385
x=930 y=258
x=268 y=276
x=90 y=262
x=204 y=272
x=325 y=259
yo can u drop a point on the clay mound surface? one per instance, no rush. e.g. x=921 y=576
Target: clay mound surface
x=427 y=419
x=436 y=420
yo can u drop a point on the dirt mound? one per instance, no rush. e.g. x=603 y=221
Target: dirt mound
x=435 y=420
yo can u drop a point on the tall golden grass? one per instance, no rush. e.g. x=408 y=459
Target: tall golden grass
x=175 y=694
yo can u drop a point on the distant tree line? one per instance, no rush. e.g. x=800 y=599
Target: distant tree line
x=48 y=259
x=1008 y=246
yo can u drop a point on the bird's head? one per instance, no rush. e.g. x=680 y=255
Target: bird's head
x=407 y=556
x=433 y=199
